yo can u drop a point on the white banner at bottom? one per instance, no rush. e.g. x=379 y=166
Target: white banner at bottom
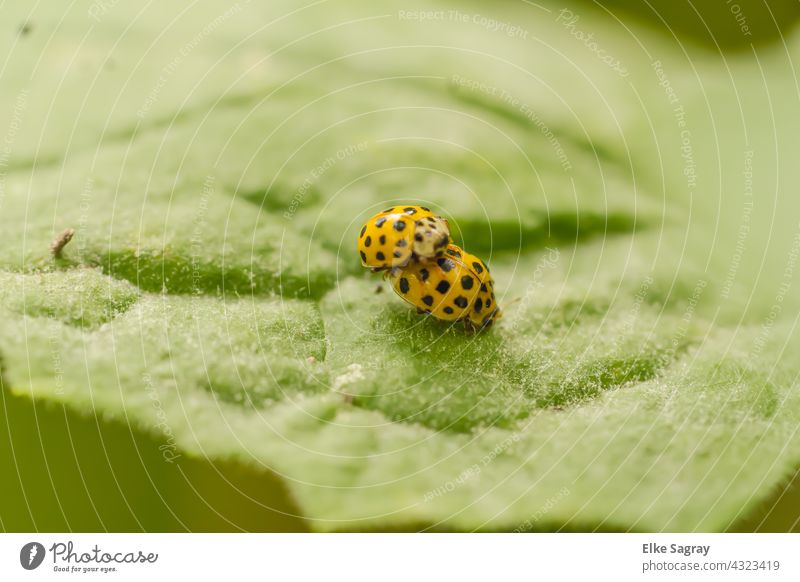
x=401 y=557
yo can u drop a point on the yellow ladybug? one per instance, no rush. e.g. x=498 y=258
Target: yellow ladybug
x=391 y=238
x=454 y=287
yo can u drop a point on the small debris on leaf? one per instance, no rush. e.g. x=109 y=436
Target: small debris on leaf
x=61 y=241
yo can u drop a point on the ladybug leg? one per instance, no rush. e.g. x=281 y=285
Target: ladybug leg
x=469 y=328
x=489 y=321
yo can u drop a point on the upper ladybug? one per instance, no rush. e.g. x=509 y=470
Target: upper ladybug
x=391 y=238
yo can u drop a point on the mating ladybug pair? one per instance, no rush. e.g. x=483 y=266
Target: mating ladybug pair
x=411 y=245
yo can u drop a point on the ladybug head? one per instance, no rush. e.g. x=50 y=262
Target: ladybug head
x=431 y=236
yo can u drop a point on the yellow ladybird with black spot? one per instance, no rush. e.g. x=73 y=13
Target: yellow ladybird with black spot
x=485 y=311
x=454 y=287
x=391 y=238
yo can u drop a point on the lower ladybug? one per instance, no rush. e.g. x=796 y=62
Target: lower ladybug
x=456 y=286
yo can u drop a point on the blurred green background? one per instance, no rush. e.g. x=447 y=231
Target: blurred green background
x=67 y=471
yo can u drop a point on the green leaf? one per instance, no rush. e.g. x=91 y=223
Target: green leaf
x=641 y=376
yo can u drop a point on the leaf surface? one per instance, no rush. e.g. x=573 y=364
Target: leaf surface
x=640 y=378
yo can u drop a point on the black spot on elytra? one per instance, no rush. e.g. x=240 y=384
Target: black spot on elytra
x=461 y=301
x=410 y=210
x=478 y=305
x=382 y=239
x=402 y=242
x=380 y=256
x=380 y=221
x=467 y=282
x=397 y=254
x=423 y=274
x=448 y=310
x=368 y=241
x=432 y=220
x=363 y=257
x=389 y=209
x=425 y=209
x=403 y=284
x=363 y=230
x=488 y=303
x=446 y=264
x=483 y=287
x=443 y=287
x=399 y=225
x=453 y=253
x=477 y=266
x=418 y=237
x=428 y=300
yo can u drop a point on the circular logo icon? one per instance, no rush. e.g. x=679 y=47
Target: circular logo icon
x=31 y=555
